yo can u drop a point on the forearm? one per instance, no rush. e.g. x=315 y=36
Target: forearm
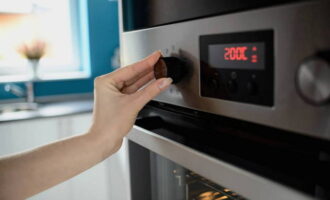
x=26 y=174
x=119 y=96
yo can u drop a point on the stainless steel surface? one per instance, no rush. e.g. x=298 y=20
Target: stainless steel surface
x=243 y=182
x=313 y=81
x=28 y=93
x=47 y=110
x=300 y=29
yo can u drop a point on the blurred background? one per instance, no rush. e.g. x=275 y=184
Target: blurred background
x=76 y=41
x=50 y=53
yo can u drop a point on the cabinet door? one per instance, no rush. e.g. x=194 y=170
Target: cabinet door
x=23 y=135
x=108 y=180
x=93 y=183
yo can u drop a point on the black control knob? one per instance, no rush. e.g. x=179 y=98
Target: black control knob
x=171 y=67
x=313 y=80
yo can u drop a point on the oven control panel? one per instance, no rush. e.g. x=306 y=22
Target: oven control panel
x=238 y=67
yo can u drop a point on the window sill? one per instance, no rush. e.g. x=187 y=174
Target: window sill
x=45 y=77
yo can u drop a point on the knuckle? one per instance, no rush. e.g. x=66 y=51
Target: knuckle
x=97 y=81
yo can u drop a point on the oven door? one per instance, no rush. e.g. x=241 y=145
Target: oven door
x=180 y=156
x=162 y=169
x=159 y=178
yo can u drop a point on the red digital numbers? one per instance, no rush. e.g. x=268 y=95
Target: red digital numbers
x=235 y=53
x=239 y=53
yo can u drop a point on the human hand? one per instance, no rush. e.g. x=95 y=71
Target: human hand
x=118 y=97
x=117 y=103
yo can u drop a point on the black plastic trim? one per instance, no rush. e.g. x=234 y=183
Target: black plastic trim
x=299 y=161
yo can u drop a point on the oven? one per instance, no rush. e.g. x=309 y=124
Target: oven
x=249 y=114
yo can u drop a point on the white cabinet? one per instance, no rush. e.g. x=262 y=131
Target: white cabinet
x=23 y=135
x=107 y=180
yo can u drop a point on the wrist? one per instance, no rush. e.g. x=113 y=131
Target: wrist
x=105 y=142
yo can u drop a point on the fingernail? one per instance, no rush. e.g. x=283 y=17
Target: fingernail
x=157 y=52
x=165 y=82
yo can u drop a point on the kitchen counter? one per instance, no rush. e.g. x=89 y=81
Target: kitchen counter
x=53 y=109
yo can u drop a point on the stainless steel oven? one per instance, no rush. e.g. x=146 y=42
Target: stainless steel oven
x=249 y=116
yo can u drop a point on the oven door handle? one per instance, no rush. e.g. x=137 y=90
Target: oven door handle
x=244 y=182
x=150 y=123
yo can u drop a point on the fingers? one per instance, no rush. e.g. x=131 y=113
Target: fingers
x=147 y=62
x=139 y=83
x=138 y=77
x=152 y=90
x=128 y=75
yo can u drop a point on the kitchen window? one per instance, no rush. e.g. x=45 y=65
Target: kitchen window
x=53 y=26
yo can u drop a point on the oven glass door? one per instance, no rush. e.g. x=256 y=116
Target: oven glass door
x=159 y=178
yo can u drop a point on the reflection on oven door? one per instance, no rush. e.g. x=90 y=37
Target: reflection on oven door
x=170 y=181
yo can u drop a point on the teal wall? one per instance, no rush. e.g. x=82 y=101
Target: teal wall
x=103 y=40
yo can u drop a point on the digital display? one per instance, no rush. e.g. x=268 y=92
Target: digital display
x=238 y=66
x=237 y=56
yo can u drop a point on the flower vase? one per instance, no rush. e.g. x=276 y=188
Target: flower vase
x=34 y=63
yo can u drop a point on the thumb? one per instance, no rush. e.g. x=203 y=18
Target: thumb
x=152 y=90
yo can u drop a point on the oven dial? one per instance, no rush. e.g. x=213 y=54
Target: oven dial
x=313 y=80
x=172 y=67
